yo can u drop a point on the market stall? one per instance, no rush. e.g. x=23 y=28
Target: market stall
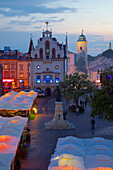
x=82 y=154
x=18 y=103
x=11 y=130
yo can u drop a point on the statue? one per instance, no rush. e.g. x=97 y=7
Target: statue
x=58 y=95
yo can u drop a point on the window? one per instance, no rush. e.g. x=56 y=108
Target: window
x=12 y=66
x=12 y=74
x=21 y=67
x=80 y=48
x=53 y=53
x=58 y=55
x=47 y=47
x=38 y=79
x=5 y=66
x=41 y=53
x=47 y=57
x=21 y=74
x=56 y=79
x=48 y=79
x=5 y=74
x=36 y=56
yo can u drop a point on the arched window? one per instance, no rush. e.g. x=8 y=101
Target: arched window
x=58 y=55
x=41 y=53
x=53 y=53
x=36 y=56
x=47 y=47
x=80 y=48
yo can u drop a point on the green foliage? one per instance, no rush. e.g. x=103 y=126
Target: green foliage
x=102 y=101
x=75 y=86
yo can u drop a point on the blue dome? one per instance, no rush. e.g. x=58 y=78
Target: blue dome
x=82 y=38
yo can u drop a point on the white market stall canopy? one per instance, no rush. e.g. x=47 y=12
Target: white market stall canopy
x=17 y=101
x=82 y=154
x=10 y=132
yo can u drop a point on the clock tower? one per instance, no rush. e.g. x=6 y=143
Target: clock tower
x=82 y=60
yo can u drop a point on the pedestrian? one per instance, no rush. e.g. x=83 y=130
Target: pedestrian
x=64 y=114
x=85 y=103
x=93 y=123
x=80 y=102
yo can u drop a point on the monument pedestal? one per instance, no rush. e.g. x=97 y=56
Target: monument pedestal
x=58 y=122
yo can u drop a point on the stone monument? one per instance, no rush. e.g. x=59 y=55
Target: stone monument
x=58 y=122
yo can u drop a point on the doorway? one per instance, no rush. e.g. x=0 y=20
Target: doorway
x=48 y=91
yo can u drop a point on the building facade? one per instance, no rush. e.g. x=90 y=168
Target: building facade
x=15 y=68
x=22 y=71
x=47 y=63
x=99 y=64
x=71 y=63
x=81 y=59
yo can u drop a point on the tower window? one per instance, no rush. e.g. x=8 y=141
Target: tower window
x=80 y=48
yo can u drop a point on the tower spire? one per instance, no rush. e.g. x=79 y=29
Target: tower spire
x=110 y=46
x=31 y=36
x=82 y=32
x=47 y=25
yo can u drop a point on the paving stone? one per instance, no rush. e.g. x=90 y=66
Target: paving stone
x=43 y=141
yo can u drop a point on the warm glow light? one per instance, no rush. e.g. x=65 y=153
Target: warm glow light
x=67 y=167
x=14 y=121
x=35 y=110
x=2 y=145
x=102 y=168
x=8 y=80
x=4 y=138
x=97 y=81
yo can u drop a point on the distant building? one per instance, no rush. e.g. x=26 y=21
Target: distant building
x=22 y=71
x=15 y=68
x=47 y=62
x=81 y=59
x=100 y=63
x=71 y=63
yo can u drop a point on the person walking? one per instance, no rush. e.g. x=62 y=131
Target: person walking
x=93 y=123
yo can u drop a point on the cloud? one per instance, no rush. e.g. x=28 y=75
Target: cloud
x=20 y=22
x=7 y=28
x=32 y=7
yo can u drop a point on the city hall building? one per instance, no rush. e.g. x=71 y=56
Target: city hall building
x=47 y=62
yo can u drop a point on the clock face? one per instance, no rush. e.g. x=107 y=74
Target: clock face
x=47 y=50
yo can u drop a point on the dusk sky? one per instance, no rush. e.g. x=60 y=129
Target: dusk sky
x=19 y=18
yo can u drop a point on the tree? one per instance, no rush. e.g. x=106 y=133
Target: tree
x=102 y=101
x=75 y=86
